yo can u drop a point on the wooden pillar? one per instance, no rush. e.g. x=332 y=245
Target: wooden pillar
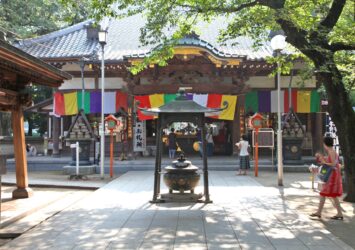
x=131 y=119
x=22 y=190
x=56 y=132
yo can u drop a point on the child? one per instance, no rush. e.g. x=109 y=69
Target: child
x=243 y=146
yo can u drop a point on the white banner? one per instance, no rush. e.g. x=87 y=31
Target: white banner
x=139 y=137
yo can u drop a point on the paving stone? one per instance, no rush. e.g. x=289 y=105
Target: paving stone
x=244 y=215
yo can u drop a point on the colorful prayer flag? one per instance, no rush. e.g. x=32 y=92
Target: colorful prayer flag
x=71 y=103
x=58 y=105
x=214 y=101
x=109 y=102
x=86 y=101
x=95 y=102
x=293 y=100
x=303 y=101
x=169 y=97
x=156 y=100
x=274 y=101
x=144 y=102
x=200 y=99
x=264 y=101
x=121 y=101
x=228 y=113
x=315 y=101
x=251 y=102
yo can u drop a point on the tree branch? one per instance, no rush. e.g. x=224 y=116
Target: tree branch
x=297 y=37
x=333 y=15
x=340 y=46
x=227 y=9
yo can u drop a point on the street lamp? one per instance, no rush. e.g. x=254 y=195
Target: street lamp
x=278 y=43
x=102 y=40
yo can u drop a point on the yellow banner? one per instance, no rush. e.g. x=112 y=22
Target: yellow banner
x=228 y=113
x=71 y=103
x=303 y=101
x=156 y=100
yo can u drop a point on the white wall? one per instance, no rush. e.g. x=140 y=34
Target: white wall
x=75 y=83
x=269 y=82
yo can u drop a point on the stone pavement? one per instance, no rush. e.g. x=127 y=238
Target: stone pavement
x=244 y=215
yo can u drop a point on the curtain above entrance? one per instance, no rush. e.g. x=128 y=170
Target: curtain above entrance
x=70 y=103
x=302 y=101
x=205 y=100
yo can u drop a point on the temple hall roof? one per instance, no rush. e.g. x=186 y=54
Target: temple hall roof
x=123 y=42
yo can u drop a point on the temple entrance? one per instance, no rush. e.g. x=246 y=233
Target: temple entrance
x=187 y=134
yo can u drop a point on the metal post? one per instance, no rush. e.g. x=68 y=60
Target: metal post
x=102 y=113
x=82 y=65
x=77 y=158
x=205 y=168
x=111 y=153
x=279 y=132
x=157 y=156
x=49 y=126
x=256 y=157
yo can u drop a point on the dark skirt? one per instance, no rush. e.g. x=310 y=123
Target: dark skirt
x=244 y=162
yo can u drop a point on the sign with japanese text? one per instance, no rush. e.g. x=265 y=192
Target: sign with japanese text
x=139 y=137
x=265 y=138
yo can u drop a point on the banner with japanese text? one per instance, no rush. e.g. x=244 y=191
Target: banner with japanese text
x=139 y=137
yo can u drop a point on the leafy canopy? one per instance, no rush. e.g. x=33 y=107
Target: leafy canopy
x=311 y=19
x=21 y=19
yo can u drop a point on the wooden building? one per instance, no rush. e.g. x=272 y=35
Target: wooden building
x=17 y=70
x=199 y=62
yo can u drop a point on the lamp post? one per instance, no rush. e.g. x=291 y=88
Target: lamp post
x=102 y=40
x=278 y=43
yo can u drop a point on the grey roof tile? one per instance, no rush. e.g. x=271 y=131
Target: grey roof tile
x=123 y=42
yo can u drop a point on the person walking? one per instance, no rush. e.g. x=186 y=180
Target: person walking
x=172 y=143
x=244 y=162
x=333 y=188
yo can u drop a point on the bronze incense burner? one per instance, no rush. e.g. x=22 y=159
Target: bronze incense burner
x=181 y=176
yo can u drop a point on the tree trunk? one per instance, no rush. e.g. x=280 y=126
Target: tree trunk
x=342 y=114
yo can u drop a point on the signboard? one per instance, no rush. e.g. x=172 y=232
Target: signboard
x=139 y=137
x=265 y=138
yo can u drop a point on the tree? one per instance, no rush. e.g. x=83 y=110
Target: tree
x=38 y=17
x=21 y=20
x=36 y=120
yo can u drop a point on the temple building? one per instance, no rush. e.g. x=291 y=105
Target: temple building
x=211 y=73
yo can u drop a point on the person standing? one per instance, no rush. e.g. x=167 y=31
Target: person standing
x=333 y=188
x=244 y=162
x=210 y=143
x=172 y=143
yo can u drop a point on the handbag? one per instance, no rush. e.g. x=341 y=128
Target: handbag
x=324 y=173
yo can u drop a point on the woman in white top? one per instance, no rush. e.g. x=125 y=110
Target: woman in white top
x=243 y=146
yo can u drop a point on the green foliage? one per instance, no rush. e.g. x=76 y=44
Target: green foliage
x=36 y=120
x=243 y=18
x=38 y=17
x=23 y=19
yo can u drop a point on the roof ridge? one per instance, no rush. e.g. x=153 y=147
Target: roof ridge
x=57 y=33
